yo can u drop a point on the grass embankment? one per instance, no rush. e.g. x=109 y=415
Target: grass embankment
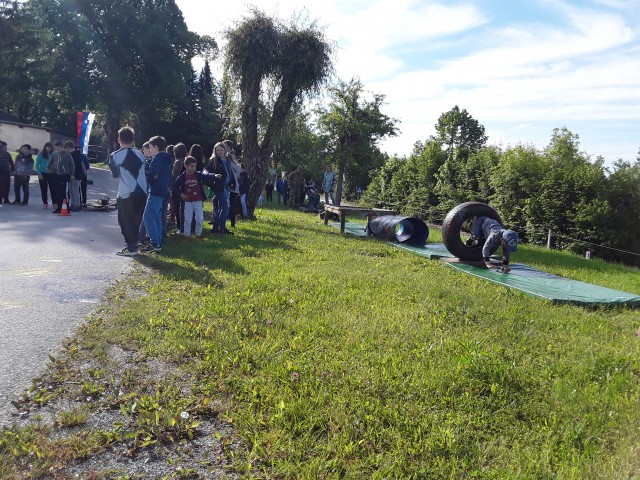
x=334 y=356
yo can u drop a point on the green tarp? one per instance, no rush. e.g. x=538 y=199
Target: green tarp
x=432 y=251
x=552 y=287
x=354 y=228
x=522 y=277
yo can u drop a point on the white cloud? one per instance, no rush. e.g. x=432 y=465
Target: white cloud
x=518 y=79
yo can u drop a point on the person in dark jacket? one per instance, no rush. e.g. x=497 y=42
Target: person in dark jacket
x=61 y=164
x=22 y=173
x=78 y=174
x=233 y=187
x=296 y=188
x=159 y=180
x=6 y=168
x=268 y=188
x=217 y=164
x=492 y=235
x=84 y=180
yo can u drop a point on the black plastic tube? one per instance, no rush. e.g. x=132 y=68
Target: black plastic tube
x=409 y=230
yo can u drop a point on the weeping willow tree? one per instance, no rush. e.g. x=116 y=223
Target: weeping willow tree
x=119 y=57
x=289 y=60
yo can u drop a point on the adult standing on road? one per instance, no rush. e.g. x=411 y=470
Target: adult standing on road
x=6 y=167
x=62 y=164
x=84 y=181
x=44 y=177
x=127 y=165
x=79 y=172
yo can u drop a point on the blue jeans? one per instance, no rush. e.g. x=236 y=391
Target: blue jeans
x=152 y=218
x=222 y=209
x=243 y=202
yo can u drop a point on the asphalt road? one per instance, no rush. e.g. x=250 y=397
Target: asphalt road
x=54 y=271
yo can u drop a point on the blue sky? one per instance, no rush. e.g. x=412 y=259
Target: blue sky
x=520 y=67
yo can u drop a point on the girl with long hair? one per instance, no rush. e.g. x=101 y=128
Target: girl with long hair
x=218 y=165
x=44 y=177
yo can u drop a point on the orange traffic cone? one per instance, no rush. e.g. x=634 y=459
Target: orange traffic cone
x=64 y=211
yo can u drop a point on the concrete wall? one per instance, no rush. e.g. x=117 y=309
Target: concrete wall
x=16 y=134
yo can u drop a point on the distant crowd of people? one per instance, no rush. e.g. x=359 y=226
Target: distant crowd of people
x=62 y=175
x=292 y=189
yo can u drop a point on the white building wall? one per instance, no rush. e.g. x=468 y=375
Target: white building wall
x=18 y=134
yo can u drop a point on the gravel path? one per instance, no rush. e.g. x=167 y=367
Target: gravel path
x=54 y=271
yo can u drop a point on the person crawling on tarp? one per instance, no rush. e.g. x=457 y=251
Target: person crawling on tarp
x=492 y=235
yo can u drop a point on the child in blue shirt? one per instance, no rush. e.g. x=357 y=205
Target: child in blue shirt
x=159 y=180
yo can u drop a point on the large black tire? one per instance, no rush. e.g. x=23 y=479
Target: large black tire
x=453 y=223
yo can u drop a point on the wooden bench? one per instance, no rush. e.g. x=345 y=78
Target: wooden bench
x=342 y=211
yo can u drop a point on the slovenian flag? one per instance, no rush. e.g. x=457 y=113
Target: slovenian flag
x=85 y=122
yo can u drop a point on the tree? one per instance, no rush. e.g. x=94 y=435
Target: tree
x=300 y=145
x=96 y=63
x=206 y=81
x=623 y=197
x=352 y=126
x=293 y=59
x=463 y=136
x=516 y=180
x=379 y=191
x=569 y=199
x=210 y=119
x=460 y=132
x=26 y=68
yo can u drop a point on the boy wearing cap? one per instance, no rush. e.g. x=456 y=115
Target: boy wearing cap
x=494 y=235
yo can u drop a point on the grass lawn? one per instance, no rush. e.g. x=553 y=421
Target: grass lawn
x=340 y=357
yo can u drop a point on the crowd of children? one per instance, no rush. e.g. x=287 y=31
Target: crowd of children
x=162 y=186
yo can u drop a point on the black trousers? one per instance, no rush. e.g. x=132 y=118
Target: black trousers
x=178 y=204
x=61 y=189
x=5 y=184
x=45 y=187
x=130 y=211
x=21 y=182
x=234 y=198
x=83 y=191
